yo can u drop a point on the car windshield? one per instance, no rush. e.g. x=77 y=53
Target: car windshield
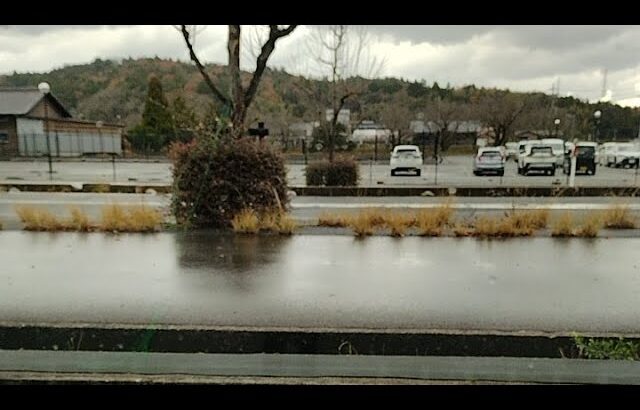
x=541 y=150
x=625 y=148
x=407 y=151
x=585 y=151
x=492 y=154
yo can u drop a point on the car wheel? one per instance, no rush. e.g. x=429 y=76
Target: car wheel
x=418 y=172
x=552 y=172
x=393 y=172
x=501 y=173
x=475 y=173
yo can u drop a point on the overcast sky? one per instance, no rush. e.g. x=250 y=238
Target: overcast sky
x=526 y=58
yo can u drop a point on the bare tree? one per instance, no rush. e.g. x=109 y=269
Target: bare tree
x=447 y=117
x=500 y=111
x=342 y=52
x=397 y=117
x=241 y=96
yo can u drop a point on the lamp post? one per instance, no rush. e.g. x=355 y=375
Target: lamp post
x=557 y=124
x=44 y=88
x=596 y=116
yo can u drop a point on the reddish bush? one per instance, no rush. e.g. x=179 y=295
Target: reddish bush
x=341 y=172
x=215 y=180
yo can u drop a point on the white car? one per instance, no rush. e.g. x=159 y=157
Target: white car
x=489 y=160
x=622 y=155
x=604 y=150
x=558 y=148
x=406 y=158
x=537 y=157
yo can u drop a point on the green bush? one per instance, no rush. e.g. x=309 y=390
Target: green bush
x=316 y=173
x=216 y=179
x=616 y=349
x=340 y=172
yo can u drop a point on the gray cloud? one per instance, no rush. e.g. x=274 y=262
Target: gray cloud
x=34 y=30
x=432 y=34
x=517 y=57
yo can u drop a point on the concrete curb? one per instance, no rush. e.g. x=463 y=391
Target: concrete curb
x=285 y=341
x=96 y=188
x=133 y=188
x=162 y=367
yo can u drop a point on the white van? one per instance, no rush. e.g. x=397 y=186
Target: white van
x=558 y=148
x=604 y=151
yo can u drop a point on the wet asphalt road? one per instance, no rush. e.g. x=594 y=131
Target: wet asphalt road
x=454 y=171
x=204 y=278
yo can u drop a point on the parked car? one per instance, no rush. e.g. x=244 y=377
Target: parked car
x=558 y=147
x=537 y=157
x=406 y=158
x=604 y=150
x=623 y=155
x=489 y=160
x=523 y=147
x=585 y=153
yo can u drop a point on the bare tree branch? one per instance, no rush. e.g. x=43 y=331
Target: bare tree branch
x=261 y=63
x=207 y=78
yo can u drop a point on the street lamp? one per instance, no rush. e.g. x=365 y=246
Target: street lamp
x=557 y=124
x=596 y=115
x=45 y=89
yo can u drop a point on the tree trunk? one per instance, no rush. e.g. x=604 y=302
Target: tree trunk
x=239 y=108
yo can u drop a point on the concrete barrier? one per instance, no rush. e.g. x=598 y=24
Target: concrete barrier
x=459 y=191
x=286 y=341
x=462 y=191
x=93 y=188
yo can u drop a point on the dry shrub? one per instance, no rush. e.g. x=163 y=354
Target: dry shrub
x=144 y=219
x=399 y=222
x=563 y=226
x=139 y=218
x=79 y=221
x=333 y=220
x=618 y=217
x=430 y=222
x=36 y=219
x=537 y=219
x=286 y=225
x=376 y=217
x=505 y=227
x=462 y=230
x=590 y=226
x=361 y=225
x=278 y=222
x=246 y=222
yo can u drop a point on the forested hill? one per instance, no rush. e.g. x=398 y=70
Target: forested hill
x=105 y=89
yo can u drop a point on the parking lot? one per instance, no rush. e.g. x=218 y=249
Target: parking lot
x=454 y=171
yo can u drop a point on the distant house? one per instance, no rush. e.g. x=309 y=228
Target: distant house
x=537 y=134
x=32 y=124
x=369 y=131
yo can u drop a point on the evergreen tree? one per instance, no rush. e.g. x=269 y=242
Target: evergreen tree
x=156 y=128
x=184 y=120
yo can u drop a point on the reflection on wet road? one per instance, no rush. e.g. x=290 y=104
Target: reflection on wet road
x=206 y=278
